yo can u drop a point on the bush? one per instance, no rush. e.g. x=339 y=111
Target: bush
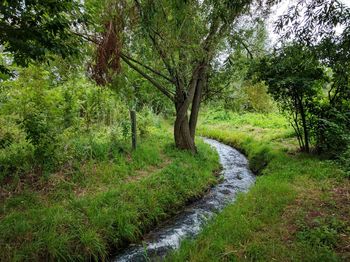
x=146 y=120
x=16 y=152
x=345 y=161
x=257 y=98
x=47 y=126
x=332 y=132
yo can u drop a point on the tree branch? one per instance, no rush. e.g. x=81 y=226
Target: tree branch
x=149 y=68
x=86 y=37
x=161 y=54
x=246 y=48
x=150 y=79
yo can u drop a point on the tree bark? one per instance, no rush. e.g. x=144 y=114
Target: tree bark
x=306 y=132
x=182 y=136
x=305 y=128
x=202 y=81
x=133 y=128
x=182 y=133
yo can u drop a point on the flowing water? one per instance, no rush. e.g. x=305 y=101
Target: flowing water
x=236 y=178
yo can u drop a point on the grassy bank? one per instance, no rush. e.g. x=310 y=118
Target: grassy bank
x=298 y=209
x=99 y=205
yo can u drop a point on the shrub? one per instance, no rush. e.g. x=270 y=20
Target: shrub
x=257 y=98
x=56 y=124
x=345 y=161
x=16 y=152
x=331 y=132
x=146 y=120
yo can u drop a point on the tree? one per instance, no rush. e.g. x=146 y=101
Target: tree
x=31 y=30
x=184 y=38
x=228 y=82
x=294 y=77
x=323 y=26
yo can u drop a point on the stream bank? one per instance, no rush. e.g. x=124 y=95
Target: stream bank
x=236 y=177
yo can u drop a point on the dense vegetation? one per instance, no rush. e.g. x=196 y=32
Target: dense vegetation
x=71 y=187
x=71 y=72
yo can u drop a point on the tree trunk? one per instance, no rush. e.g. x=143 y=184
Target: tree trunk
x=305 y=128
x=306 y=132
x=133 y=129
x=182 y=134
x=202 y=81
x=183 y=138
x=184 y=128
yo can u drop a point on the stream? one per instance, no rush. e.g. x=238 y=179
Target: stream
x=236 y=177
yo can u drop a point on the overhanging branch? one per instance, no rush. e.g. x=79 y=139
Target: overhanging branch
x=246 y=48
x=162 y=54
x=166 y=92
x=149 y=68
x=87 y=37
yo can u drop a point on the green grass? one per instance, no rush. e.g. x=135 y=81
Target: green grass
x=294 y=212
x=86 y=212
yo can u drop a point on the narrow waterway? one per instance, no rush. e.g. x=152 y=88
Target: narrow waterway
x=236 y=178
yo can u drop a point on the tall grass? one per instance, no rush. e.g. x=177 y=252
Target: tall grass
x=102 y=205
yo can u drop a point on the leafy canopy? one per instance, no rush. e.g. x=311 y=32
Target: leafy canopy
x=31 y=30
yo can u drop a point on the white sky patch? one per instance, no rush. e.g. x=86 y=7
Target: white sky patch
x=273 y=37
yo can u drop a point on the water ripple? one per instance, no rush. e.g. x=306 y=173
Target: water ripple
x=236 y=178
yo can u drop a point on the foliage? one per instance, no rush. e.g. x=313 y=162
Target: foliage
x=32 y=30
x=345 y=160
x=257 y=98
x=331 y=130
x=172 y=44
x=138 y=93
x=295 y=78
x=323 y=28
x=56 y=124
x=229 y=83
x=16 y=152
x=71 y=188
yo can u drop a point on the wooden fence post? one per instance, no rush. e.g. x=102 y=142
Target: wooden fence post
x=133 y=128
